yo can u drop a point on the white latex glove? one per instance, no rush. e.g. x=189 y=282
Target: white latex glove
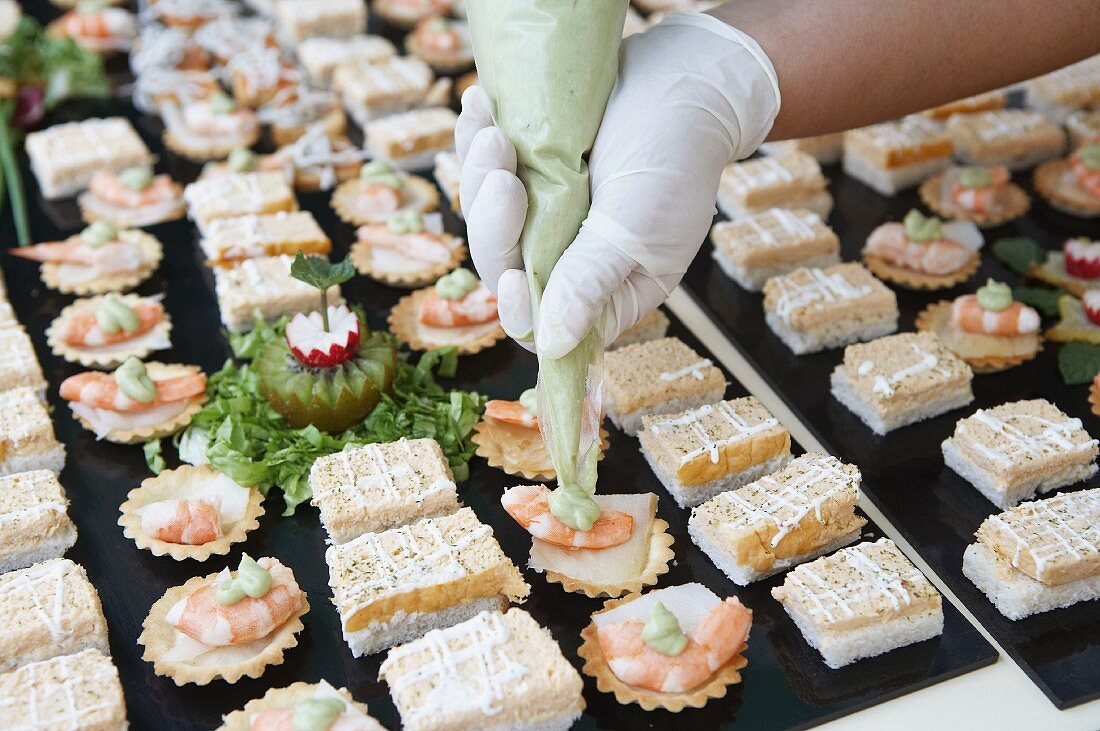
x=692 y=94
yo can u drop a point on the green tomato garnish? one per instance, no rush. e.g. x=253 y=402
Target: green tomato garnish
x=662 y=632
x=529 y=400
x=406 y=222
x=994 y=296
x=922 y=229
x=252 y=580
x=134 y=381
x=242 y=160
x=99 y=233
x=457 y=284
x=113 y=315
x=976 y=178
x=1090 y=155
x=317 y=714
x=221 y=103
x=381 y=173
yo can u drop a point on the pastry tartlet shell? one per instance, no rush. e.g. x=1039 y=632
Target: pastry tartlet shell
x=173 y=425
x=488 y=435
x=403 y=319
x=916 y=280
x=660 y=556
x=105 y=361
x=930 y=194
x=151 y=254
x=595 y=666
x=277 y=698
x=157 y=636
x=131 y=521
x=1045 y=180
x=425 y=199
x=936 y=316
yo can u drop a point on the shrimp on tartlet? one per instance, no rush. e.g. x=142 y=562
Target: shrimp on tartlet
x=190 y=512
x=132 y=198
x=985 y=195
x=509 y=438
x=1072 y=185
x=989 y=329
x=924 y=252
x=100 y=259
x=138 y=401
x=672 y=648
x=458 y=310
x=226 y=625
x=103 y=331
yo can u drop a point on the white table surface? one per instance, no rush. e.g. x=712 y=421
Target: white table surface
x=998 y=697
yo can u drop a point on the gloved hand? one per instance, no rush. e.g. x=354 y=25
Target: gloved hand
x=692 y=93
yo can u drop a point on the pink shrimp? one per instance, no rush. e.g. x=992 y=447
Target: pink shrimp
x=83 y=327
x=190 y=522
x=1089 y=178
x=529 y=506
x=1016 y=319
x=423 y=246
x=201 y=120
x=108 y=24
x=204 y=619
x=982 y=200
x=282 y=719
x=434 y=34
x=476 y=308
x=511 y=412
x=106 y=186
x=101 y=391
x=718 y=637
x=378 y=200
x=939 y=257
x=114 y=256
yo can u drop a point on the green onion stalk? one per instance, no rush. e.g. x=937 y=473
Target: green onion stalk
x=38 y=71
x=549 y=66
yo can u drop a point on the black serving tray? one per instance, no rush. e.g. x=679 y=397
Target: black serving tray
x=903 y=472
x=785 y=685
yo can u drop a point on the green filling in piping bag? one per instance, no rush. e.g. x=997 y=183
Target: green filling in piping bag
x=549 y=66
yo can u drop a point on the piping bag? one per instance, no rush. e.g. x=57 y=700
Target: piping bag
x=549 y=66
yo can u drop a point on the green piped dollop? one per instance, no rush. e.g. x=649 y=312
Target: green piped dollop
x=252 y=580
x=317 y=714
x=976 y=178
x=457 y=284
x=994 y=296
x=662 y=632
x=134 y=381
x=99 y=233
x=406 y=222
x=921 y=228
x=113 y=315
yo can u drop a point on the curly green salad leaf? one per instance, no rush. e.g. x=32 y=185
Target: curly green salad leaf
x=240 y=434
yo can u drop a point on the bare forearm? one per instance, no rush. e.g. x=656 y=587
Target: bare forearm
x=847 y=63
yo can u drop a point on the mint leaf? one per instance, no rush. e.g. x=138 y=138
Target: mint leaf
x=1043 y=300
x=1019 y=253
x=1079 y=362
x=320 y=272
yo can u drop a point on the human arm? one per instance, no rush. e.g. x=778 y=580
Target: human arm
x=844 y=64
x=694 y=93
